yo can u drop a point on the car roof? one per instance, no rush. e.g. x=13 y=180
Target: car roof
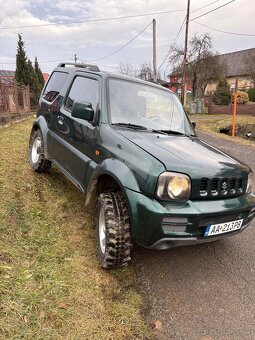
x=90 y=68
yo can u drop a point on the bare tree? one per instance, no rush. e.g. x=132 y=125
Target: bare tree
x=126 y=69
x=145 y=71
x=207 y=70
x=202 y=63
x=249 y=62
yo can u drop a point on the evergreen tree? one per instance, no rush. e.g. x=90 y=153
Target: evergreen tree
x=21 y=74
x=33 y=82
x=222 y=95
x=32 y=78
x=39 y=74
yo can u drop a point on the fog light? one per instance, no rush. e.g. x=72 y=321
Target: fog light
x=174 y=224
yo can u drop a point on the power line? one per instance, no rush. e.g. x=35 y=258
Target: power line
x=175 y=40
x=211 y=3
x=61 y=60
x=215 y=9
x=96 y=20
x=120 y=48
x=181 y=29
x=41 y=62
x=226 y=32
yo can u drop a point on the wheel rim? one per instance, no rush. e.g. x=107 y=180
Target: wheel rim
x=101 y=227
x=35 y=153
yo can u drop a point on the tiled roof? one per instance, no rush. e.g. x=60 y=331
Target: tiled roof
x=235 y=62
x=7 y=73
x=46 y=76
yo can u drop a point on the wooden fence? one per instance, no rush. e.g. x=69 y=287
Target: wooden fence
x=14 y=98
x=242 y=109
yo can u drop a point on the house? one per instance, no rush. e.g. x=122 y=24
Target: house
x=14 y=98
x=164 y=83
x=7 y=77
x=236 y=70
x=175 y=80
x=45 y=76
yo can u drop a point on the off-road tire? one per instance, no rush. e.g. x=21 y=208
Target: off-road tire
x=118 y=241
x=37 y=160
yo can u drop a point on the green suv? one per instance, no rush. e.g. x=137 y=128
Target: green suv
x=128 y=145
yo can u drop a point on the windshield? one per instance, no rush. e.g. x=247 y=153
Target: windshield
x=147 y=106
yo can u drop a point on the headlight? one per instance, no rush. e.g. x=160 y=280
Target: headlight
x=250 y=182
x=173 y=186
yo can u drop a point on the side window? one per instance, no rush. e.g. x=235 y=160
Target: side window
x=54 y=86
x=83 y=89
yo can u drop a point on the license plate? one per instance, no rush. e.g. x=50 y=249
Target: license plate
x=221 y=228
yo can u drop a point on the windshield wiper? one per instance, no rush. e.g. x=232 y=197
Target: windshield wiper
x=141 y=127
x=173 y=132
x=131 y=126
x=163 y=132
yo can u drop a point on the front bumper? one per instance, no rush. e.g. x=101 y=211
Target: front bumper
x=161 y=225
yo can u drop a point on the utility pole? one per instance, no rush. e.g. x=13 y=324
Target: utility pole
x=75 y=58
x=154 y=51
x=184 y=84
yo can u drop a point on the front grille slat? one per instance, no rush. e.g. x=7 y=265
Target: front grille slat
x=232 y=184
x=203 y=187
x=220 y=187
x=240 y=185
x=214 y=187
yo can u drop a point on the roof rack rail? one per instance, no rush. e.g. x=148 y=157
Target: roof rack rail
x=94 y=68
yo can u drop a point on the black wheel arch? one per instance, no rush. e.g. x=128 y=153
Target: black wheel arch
x=110 y=172
x=105 y=183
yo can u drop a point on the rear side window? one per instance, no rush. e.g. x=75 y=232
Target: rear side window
x=83 y=89
x=54 y=86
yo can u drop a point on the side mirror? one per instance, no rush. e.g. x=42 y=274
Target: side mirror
x=82 y=110
x=194 y=124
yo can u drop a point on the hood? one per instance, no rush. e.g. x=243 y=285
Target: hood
x=185 y=154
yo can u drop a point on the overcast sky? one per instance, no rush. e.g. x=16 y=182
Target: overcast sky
x=93 y=41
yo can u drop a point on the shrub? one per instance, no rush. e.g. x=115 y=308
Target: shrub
x=242 y=97
x=251 y=94
x=222 y=95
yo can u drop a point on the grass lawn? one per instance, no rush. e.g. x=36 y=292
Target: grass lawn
x=51 y=286
x=213 y=123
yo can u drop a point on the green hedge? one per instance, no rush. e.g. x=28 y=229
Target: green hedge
x=251 y=94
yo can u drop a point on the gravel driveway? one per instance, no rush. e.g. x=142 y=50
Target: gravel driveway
x=205 y=291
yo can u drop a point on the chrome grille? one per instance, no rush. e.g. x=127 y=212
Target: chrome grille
x=214 y=186
x=203 y=187
x=239 y=183
x=220 y=187
x=232 y=184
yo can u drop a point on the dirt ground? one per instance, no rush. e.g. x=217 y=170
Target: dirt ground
x=204 y=291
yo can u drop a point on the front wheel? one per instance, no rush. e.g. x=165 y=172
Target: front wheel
x=37 y=160
x=113 y=230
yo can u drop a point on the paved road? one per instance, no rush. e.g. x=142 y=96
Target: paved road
x=205 y=291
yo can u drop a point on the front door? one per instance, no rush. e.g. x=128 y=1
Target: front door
x=74 y=138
